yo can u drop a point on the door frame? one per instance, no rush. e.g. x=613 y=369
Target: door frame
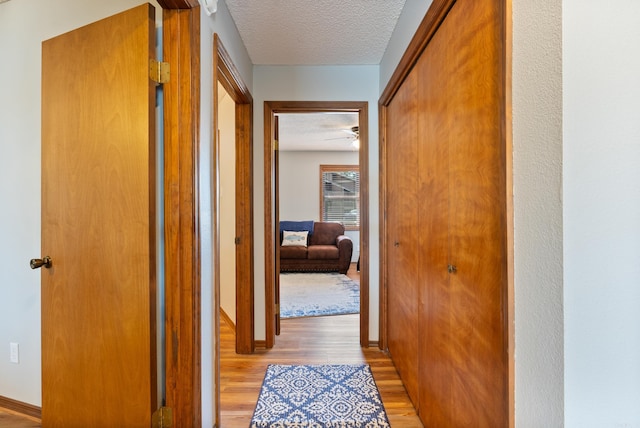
x=270 y=110
x=225 y=72
x=181 y=49
x=425 y=31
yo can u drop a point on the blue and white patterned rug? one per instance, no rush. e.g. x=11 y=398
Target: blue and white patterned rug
x=318 y=294
x=319 y=396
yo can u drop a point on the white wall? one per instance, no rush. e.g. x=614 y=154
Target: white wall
x=315 y=83
x=300 y=186
x=222 y=24
x=537 y=176
x=227 y=127
x=601 y=67
x=23 y=27
x=412 y=15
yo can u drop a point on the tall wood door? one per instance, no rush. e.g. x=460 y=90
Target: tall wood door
x=477 y=221
x=435 y=307
x=98 y=200
x=457 y=274
x=402 y=247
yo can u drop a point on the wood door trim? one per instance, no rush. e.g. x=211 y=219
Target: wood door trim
x=181 y=48
x=270 y=108
x=427 y=28
x=229 y=77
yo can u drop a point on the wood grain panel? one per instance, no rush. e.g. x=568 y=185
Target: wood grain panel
x=463 y=359
x=182 y=229
x=434 y=126
x=98 y=213
x=477 y=201
x=401 y=245
x=457 y=58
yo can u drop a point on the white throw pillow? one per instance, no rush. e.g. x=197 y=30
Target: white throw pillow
x=294 y=239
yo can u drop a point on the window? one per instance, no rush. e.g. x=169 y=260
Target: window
x=340 y=194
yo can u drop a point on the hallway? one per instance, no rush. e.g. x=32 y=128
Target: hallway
x=314 y=340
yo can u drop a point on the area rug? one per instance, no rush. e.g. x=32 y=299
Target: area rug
x=318 y=294
x=315 y=396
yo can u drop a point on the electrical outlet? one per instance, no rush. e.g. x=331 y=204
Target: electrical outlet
x=14 y=351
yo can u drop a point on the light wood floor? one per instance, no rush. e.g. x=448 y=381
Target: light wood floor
x=9 y=419
x=316 y=340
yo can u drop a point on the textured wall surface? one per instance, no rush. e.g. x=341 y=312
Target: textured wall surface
x=537 y=171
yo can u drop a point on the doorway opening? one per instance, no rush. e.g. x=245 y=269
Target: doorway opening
x=272 y=112
x=229 y=85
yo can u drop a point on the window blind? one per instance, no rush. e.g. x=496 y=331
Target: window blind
x=340 y=194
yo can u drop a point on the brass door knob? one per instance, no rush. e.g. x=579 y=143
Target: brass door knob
x=38 y=263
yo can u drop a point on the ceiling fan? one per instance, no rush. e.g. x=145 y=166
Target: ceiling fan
x=354 y=134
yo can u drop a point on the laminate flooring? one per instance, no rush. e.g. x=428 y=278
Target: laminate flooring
x=9 y=419
x=313 y=340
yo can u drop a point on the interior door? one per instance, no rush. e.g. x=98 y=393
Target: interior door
x=276 y=188
x=98 y=214
x=463 y=366
x=402 y=224
x=477 y=345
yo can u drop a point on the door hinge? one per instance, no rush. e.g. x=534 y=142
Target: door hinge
x=277 y=308
x=162 y=418
x=237 y=240
x=275 y=145
x=159 y=71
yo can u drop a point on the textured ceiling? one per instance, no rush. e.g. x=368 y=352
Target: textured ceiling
x=315 y=32
x=317 y=131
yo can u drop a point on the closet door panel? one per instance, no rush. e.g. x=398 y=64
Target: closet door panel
x=402 y=243
x=434 y=124
x=477 y=229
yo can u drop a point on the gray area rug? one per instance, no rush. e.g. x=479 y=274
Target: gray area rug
x=318 y=294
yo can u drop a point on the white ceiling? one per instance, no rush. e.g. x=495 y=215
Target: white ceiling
x=316 y=32
x=317 y=131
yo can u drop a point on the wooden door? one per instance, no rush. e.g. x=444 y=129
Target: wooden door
x=434 y=126
x=276 y=201
x=463 y=311
x=98 y=201
x=477 y=222
x=402 y=244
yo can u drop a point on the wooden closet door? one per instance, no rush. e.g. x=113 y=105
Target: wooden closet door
x=463 y=354
x=402 y=239
x=434 y=125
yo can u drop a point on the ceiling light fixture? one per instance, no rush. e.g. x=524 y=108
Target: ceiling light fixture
x=210 y=6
